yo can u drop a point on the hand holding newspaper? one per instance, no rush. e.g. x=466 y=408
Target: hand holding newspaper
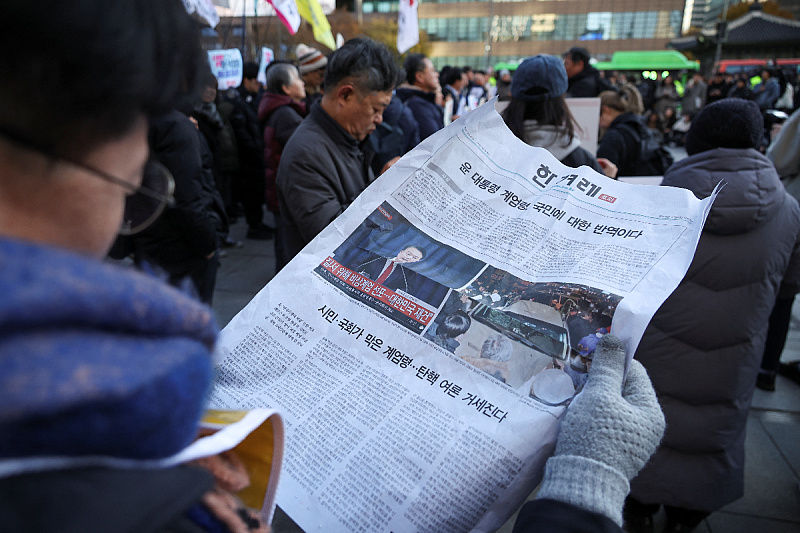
x=424 y=346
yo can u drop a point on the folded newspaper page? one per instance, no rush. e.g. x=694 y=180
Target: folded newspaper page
x=424 y=346
x=255 y=437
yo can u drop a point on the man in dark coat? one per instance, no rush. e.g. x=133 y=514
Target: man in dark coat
x=249 y=184
x=391 y=272
x=584 y=79
x=184 y=240
x=419 y=94
x=325 y=164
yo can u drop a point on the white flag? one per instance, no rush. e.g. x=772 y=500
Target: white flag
x=407 y=25
x=204 y=8
x=287 y=13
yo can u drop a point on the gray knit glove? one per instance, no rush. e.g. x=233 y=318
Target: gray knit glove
x=608 y=434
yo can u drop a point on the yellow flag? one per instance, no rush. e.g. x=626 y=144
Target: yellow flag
x=311 y=11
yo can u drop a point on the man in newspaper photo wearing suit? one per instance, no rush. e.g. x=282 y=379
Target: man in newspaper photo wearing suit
x=391 y=272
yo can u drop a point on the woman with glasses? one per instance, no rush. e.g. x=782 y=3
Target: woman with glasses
x=102 y=365
x=99 y=363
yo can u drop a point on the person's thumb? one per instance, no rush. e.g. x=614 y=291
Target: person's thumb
x=608 y=365
x=638 y=389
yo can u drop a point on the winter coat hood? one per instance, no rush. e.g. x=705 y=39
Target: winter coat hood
x=272 y=101
x=553 y=138
x=751 y=189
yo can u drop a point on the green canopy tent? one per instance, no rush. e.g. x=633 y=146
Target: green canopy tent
x=507 y=66
x=648 y=60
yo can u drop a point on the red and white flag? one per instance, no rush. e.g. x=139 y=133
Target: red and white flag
x=287 y=13
x=407 y=25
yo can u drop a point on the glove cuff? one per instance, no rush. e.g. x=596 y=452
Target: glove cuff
x=585 y=483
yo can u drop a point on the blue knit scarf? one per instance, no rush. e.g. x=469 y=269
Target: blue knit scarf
x=96 y=359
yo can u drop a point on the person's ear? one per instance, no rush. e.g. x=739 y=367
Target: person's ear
x=345 y=92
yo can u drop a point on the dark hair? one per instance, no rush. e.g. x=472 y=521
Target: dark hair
x=454 y=325
x=209 y=78
x=578 y=53
x=414 y=63
x=421 y=250
x=452 y=76
x=552 y=112
x=279 y=75
x=78 y=73
x=366 y=64
x=250 y=70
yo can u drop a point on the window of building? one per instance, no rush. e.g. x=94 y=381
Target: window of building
x=549 y=27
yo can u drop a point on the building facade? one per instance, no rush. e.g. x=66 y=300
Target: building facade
x=485 y=32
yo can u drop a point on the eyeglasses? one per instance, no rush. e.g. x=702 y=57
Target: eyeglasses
x=143 y=204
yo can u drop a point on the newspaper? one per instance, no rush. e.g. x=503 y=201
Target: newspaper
x=425 y=393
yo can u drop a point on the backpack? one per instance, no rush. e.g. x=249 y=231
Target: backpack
x=653 y=159
x=387 y=141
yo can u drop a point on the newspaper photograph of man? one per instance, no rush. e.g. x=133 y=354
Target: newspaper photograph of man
x=391 y=272
x=391 y=266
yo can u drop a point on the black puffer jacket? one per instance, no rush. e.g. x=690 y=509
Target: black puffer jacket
x=186 y=232
x=703 y=347
x=429 y=116
x=249 y=139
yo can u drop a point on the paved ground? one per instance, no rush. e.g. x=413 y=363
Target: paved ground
x=772 y=481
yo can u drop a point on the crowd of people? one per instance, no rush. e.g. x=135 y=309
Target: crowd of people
x=670 y=107
x=112 y=138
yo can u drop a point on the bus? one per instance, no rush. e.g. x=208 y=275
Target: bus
x=745 y=66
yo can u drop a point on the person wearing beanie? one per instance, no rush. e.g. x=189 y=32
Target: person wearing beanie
x=311 y=64
x=503 y=86
x=703 y=347
x=539 y=116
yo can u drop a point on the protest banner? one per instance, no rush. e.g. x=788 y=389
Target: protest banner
x=227 y=66
x=267 y=57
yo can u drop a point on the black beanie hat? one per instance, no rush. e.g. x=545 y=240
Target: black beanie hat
x=727 y=123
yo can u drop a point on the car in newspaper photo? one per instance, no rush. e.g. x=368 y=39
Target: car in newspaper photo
x=516 y=342
x=535 y=325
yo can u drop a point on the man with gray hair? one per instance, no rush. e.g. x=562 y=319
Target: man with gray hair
x=325 y=164
x=495 y=354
